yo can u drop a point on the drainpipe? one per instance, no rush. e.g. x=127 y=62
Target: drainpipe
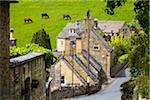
x=88 y=30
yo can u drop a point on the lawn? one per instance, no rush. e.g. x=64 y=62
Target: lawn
x=55 y=9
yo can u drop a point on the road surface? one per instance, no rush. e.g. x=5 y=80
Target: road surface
x=111 y=92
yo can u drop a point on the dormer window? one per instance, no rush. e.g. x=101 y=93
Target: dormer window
x=72 y=30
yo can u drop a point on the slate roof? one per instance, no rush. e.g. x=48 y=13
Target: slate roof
x=105 y=26
x=65 y=32
x=108 y=26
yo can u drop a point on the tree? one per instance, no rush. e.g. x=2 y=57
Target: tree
x=142 y=13
x=112 y=4
x=141 y=9
x=139 y=63
x=121 y=45
x=42 y=39
x=139 y=54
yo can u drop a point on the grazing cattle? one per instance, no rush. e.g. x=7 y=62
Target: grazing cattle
x=28 y=20
x=44 y=15
x=66 y=16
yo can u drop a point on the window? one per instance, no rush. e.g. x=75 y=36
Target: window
x=96 y=47
x=62 y=79
x=72 y=30
x=125 y=30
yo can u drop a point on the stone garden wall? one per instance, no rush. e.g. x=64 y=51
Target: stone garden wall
x=67 y=92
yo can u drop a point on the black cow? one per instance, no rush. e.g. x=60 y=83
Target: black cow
x=28 y=20
x=66 y=16
x=45 y=15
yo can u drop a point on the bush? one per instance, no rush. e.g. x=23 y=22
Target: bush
x=16 y=51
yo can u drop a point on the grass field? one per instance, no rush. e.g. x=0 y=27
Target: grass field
x=56 y=9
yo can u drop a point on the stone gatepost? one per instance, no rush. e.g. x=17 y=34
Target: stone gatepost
x=4 y=49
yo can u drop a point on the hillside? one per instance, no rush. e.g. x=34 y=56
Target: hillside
x=55 y=9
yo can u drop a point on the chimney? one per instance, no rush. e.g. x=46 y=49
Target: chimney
x=91 y=22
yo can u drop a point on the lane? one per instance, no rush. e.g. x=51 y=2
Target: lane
x=112 y=92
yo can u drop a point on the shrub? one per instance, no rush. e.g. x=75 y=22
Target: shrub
x=19 y=51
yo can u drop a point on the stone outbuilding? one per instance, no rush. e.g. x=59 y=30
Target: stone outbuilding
x=28 y=77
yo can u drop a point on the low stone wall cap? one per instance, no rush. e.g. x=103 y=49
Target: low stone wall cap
x=26 y=57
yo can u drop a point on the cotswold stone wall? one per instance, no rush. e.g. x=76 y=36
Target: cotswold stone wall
x=101 y=55
x=68 y=92
x=32 y=69
x=38 y=73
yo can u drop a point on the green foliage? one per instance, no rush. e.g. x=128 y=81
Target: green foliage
x=128 y=90
x=101 y=33
x=139 y=55
x=17 y=51
x=123 y=57
x=42 y=39
x=143 y=86
x=142 y=13
x=112 y=4
x=121 y=45
x=134 y=24
x=139 y=62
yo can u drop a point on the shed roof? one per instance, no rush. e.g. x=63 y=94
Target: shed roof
x=24 y=58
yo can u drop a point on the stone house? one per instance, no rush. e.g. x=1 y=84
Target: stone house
x=85 y=55
x=28 y=77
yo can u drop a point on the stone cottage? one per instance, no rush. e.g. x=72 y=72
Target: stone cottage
x=86 y=57
x=28 y=77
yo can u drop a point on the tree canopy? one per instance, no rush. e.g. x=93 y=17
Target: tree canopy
x=112 y=4
x=142 y=13
x=42 y=39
